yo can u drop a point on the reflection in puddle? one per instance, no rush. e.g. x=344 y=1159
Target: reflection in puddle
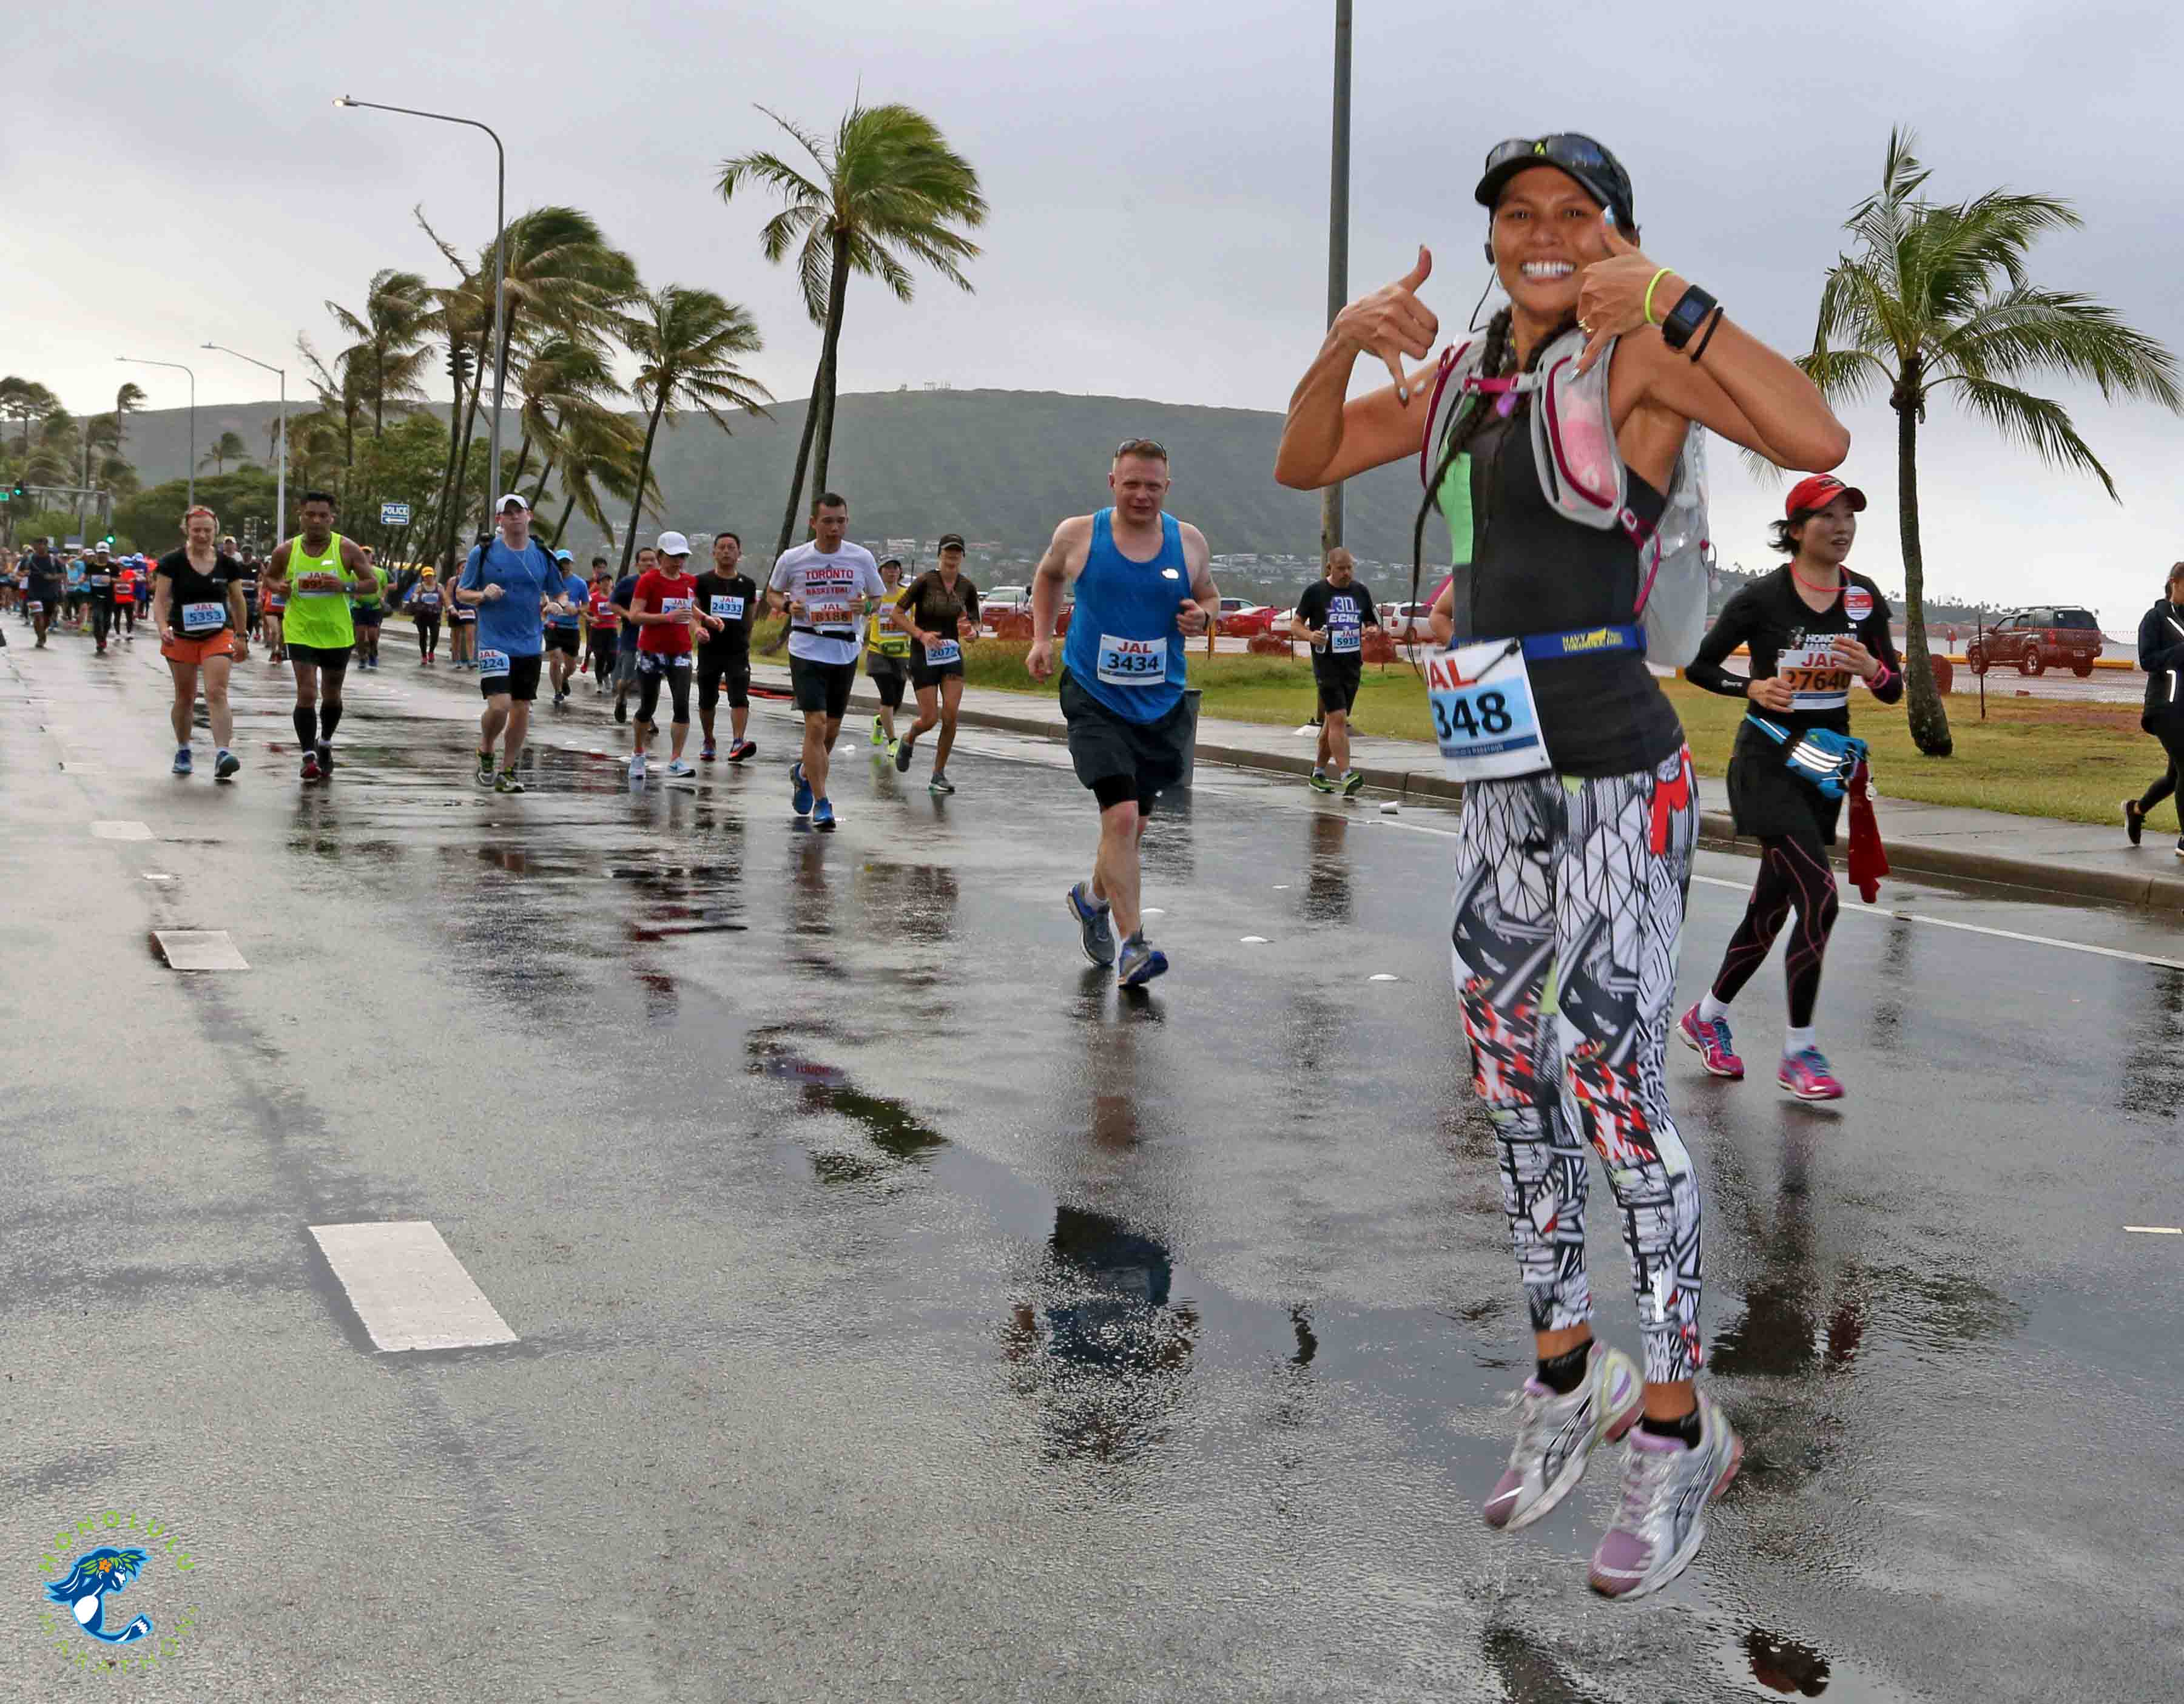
x=1102 y=1348
x=895 y=1129
x=1785 y=1665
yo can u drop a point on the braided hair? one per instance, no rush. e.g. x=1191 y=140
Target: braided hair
x=1469 y=418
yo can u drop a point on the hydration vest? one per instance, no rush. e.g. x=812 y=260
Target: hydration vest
x=1584 y=479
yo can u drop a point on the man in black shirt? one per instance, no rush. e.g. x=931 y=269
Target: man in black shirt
x=727 y=610
x=1332 y=617
x=48 y=579
x=99 y=590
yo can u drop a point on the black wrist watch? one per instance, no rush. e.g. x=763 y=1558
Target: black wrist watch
x=1685 y=318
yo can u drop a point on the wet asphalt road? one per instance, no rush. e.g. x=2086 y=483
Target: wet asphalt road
x=902 y=1315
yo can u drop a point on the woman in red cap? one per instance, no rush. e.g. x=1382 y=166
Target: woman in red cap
x=1580 y=815
x=1809 y=627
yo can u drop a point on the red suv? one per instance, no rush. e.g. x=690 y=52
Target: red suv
x=2036 y=638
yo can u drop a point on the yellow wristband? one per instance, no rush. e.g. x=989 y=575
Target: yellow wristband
x=1651 y=282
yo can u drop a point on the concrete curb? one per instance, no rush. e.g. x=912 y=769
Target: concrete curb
x=1716 y=829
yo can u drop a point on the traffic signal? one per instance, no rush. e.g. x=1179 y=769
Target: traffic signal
x=459 y=364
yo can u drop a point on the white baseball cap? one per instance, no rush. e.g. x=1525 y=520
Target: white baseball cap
x=672 y=544
x=514 y=497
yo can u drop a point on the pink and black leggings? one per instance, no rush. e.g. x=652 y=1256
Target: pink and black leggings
x=1794 y=876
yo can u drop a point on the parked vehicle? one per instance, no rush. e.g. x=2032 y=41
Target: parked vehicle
x=1242 y=619
x=2047 y=635
x=1004 y=600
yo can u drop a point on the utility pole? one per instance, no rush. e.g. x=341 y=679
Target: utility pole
x=1337 y=241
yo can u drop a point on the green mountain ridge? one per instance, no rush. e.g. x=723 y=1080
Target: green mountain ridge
x=998 y=466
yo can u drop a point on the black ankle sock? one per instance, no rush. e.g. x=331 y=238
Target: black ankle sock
x=329 y=719
x=1563 y=1373
x=1685 y=1429
x=307 y=726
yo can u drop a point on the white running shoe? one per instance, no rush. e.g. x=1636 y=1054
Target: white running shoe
x=1555 y=1436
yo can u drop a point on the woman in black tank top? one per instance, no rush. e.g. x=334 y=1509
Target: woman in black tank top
x=1578 y=867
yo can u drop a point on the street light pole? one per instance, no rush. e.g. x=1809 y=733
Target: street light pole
x=281 y=473
x=1337 y=241
x=133 y=361
x=499 y=278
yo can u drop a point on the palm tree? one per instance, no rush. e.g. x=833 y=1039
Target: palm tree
x=564 y=380
x=686 y=343
x=1938 y=296
x=126 y=401
x=601 y=461
x=228 y=446
x=561 y=274
x=888 y=192
x=389 y=355
x=25 y=400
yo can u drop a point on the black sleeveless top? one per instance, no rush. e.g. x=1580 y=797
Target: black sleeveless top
x=1532 y=572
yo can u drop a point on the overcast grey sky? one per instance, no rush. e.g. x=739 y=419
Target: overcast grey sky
x=1158 y=184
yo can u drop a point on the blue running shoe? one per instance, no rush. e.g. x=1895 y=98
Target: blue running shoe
x=822 y=817
x=800 y=800
x=1140 y=963
x=182 y=760
x=1093 y=925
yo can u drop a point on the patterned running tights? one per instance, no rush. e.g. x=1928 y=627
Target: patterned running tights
x=1569 y=905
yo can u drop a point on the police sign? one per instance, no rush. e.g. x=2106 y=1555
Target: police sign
x=393 y=514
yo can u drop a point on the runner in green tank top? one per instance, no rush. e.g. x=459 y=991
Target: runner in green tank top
x=316 y=570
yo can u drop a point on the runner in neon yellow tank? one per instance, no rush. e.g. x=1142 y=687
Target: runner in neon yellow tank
x=316 y=569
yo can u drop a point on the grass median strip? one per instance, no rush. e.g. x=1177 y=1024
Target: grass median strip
x=2061 y=759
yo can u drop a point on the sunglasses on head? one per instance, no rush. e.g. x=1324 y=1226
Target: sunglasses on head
x=1140 y=446
x=1568 y=148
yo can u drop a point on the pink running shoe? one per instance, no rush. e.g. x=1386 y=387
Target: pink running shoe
x=1711 y=1042
x=1806 y=1075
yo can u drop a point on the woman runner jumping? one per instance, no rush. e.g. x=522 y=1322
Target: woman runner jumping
x=1571 y=877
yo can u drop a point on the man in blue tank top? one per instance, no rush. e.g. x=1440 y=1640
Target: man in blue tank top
x=1143 y=587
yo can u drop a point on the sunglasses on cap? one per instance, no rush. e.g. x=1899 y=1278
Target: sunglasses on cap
x=1585 y=160
x=1569 y=148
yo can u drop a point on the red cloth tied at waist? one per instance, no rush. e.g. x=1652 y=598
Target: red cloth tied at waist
x=1868 y=858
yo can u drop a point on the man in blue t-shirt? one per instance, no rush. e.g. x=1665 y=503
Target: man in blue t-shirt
x=624 y=593
x=564 y=631
x=511 y=582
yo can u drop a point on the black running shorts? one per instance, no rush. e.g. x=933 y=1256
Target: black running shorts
x=1337 y=680
x=823 y=687
x=732 y=672
x=1118 y=759
x=521 y=683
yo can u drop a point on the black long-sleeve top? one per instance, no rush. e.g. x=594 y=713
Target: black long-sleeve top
x=1786 y=636
x=2161 y=654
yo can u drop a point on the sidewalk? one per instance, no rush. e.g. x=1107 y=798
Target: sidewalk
x=2084 y=860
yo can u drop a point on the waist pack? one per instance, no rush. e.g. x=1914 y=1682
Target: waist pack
x=1821 y=755
x=1585 y=479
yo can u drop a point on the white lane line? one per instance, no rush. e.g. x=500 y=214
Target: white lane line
x=121 y=831
x=1252 y=941
x=2157 y=1230
x=1858 y=909
x=408 y=1288
x=1383 y=977
x=200 y=949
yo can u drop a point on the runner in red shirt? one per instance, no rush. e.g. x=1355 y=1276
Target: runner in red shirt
x=665 y=606
x=602 y=626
